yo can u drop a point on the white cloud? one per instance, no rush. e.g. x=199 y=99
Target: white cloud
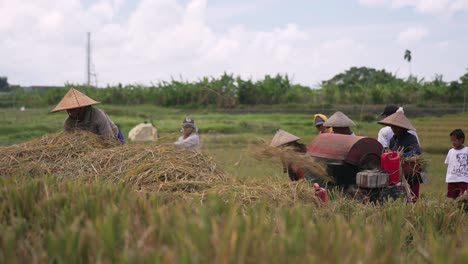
x=434 y=7
x=412 y=35
x=374 y=2
x=43 y=42
x=444 y=44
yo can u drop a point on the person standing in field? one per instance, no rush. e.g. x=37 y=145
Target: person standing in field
x=190 y=138
x=340 y=124
x=457 y=161
x=319 y=120
x=406 y=143
x=83 y=116
x=385 y=134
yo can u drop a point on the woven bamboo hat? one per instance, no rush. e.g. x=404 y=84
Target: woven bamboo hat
x=397 y=119
x=74 y=99
x=282 y=137
x=339 y=119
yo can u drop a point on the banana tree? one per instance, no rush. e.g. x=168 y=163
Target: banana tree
x=408 y=58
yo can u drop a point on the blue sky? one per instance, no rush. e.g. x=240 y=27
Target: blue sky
x=148 y=41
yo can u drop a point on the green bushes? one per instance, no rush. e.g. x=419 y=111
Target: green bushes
x=226 y=91
x=354 y=86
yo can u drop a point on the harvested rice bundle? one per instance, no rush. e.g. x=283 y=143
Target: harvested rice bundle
x=46 y=154
x=288 y=155
x=414 y=164
x=84 y=155
x=59 y=143
x=146 y=166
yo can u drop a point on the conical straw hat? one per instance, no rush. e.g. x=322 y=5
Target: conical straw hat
x=397 y=119
x=282 y=137
x=339 y=119
x=73 y=99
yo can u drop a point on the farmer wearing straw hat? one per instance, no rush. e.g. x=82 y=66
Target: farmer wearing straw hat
x=190 y=138
x=283 y=139
x=319 y=119
x=407 y=143
x=385 y=133
x=83 y=116
x=340 y=124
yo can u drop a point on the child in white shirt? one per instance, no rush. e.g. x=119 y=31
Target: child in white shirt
x=457 y=161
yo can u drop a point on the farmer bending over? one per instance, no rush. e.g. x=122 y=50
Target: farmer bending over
x=82 y=116
x=287 y=141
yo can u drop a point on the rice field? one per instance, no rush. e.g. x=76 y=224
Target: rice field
x=254 y=215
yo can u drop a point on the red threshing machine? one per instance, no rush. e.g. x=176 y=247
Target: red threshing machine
x=358 y=165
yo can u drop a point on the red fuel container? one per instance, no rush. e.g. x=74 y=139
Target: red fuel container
x=390 y=163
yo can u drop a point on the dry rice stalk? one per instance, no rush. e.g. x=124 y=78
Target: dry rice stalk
x=463 y=198
x=411 y=165
x=45 y=154
x=418 y=163
x=287 y=155
x=172 y=173
x=248 y=191
x=85 y=155
x=409 y=196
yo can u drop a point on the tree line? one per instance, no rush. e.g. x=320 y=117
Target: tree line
x=357 y=85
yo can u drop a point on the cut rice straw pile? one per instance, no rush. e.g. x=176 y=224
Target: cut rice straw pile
x=154 y=168
x=86 y=156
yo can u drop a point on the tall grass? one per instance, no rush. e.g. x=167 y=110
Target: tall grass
x=45 y=220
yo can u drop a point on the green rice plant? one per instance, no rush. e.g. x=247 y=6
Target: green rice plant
x=52 y=219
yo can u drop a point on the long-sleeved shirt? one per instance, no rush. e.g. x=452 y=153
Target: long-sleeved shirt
x=386 y=134
x=191 y=142
x=95 y=121
x=408 y=142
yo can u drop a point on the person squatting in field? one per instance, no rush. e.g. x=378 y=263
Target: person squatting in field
x=457 y=161
x=406 y=142
x=83 y=116
x=340 y=124
x=385 y=133
x=189 y=139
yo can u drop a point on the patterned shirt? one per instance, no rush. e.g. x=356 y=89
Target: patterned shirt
x=457 y=161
